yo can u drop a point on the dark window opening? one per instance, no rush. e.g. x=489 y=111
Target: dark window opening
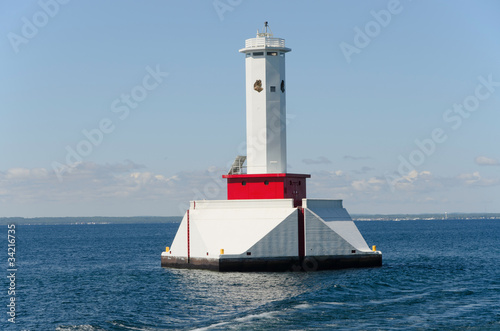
x=299 y=182
x=243 y=183
x=266 y=182
x=272 y=53
x=282 y=87
x=353 y=251
x=258 y=53
x=249 y=253
x=273 y=88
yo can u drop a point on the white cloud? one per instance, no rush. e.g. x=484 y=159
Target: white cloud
x=370 y=184
x=23 y=173
x=417 y=187
x=425 y=181
x=356 y=158
x=363 y=170
x=475 y=179
x=319 y=160
x=486 y=161
x=86 y=181
x=106 y=189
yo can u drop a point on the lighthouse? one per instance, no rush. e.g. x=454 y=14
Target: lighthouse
x=266 y=176
x=265 y=103
x=267 y=222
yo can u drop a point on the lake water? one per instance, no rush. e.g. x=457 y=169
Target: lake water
x=436 y=275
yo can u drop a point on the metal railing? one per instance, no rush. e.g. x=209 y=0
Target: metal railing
x=264 y=42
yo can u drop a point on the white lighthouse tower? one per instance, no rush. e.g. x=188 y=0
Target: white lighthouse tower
x=267 y=223
x=266 y=103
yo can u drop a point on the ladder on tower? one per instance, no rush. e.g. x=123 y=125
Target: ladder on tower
x=237 y=165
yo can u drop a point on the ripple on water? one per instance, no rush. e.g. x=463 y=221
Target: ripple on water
x=108 y=277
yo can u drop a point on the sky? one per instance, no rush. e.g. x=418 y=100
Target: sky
x=132 y=108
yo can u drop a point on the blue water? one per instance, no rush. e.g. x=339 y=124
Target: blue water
x=436 y=275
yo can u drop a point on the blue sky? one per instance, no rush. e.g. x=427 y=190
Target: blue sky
x=394 y=106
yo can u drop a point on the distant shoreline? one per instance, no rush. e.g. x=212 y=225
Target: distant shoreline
x=425 y=217
x=89 y=220
x=178 y=219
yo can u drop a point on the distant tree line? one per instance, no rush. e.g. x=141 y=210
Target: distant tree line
x=90 y=220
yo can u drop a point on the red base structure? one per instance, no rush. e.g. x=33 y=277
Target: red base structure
x=267 y=186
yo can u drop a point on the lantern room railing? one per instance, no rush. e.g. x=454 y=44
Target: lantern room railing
x=264 y=42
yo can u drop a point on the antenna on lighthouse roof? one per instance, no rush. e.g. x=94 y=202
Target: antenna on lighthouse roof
x=266 y=31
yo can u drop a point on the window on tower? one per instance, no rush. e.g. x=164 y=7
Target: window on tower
x=258 y=53
x=273 y=88
x=272 y=53
x=248 y=54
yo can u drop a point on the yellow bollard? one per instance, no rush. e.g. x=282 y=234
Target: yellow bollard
x=222 y=251
x=167 y=249
x=374 y=248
